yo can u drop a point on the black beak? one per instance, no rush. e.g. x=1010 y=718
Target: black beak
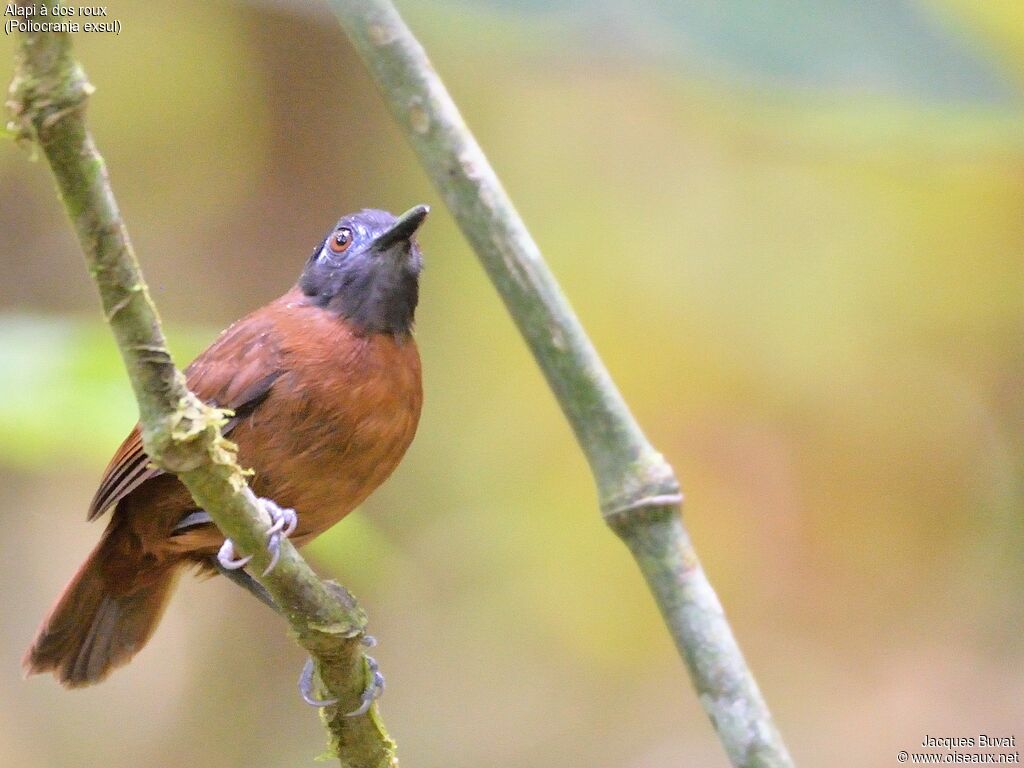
x=402 y=229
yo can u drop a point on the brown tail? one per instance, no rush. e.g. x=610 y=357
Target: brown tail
x=102 y=619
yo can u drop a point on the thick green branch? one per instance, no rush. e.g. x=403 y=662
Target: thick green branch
x=181 y=433
x=638 y=491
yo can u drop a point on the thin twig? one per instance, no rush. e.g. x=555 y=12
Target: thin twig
x=181 y=434
x=638 y=491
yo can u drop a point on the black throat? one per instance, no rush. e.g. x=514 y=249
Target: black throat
x=372 y=301
x=367 y=270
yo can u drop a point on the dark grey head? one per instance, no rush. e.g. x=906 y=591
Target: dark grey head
x=367 y=270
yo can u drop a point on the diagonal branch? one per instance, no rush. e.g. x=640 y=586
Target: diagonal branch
x=638 y=491
x=181 y=433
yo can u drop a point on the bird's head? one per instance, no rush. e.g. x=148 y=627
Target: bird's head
x=367 y=270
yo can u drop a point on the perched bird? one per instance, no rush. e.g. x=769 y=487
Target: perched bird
x=324 y=386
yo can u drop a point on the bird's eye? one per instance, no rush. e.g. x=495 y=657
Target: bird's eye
x=340 y=240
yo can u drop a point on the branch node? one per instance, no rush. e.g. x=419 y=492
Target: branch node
x=45 y=92
x=661 y=500
x=625 y=519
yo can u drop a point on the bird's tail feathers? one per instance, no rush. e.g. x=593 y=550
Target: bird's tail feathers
x=100 y=621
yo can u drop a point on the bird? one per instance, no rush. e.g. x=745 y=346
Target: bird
x=323 y=392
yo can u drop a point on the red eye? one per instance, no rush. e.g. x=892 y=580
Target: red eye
x=341 y=240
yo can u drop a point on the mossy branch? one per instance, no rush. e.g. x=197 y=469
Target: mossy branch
x=637 y=489
x=181 y=434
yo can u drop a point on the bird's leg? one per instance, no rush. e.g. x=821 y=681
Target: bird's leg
x=225 y=560
x=283 y=524
x=192 y=520
x=257 y=590
x=247 y=582
x=227 y=565
x=371 y=693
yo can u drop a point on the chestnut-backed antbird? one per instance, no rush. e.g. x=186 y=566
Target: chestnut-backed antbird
x=323 y=386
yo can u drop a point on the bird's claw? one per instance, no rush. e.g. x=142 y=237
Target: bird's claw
x=306 y=687
x=372 y=692
x=283 y=523
x=226 y=557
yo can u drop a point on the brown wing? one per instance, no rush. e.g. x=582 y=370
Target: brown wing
x=235 y=372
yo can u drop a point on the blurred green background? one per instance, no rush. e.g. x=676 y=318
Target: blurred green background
x=794 y=230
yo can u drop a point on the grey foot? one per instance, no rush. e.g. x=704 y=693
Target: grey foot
x=226 y=557
x=306 y=687
x=372 y=692
x=283 y=524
